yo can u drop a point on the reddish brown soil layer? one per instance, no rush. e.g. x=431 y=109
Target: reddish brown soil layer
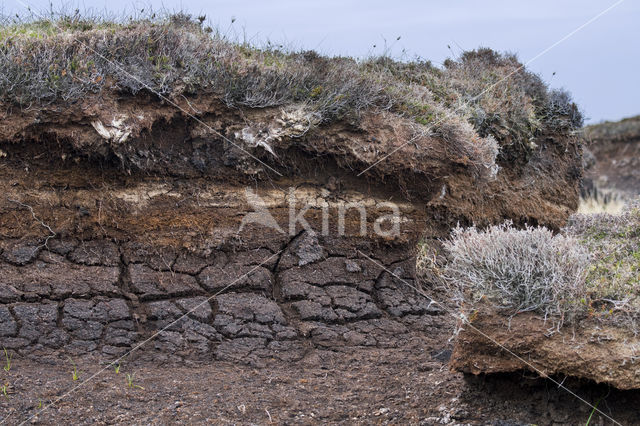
x=591 y=349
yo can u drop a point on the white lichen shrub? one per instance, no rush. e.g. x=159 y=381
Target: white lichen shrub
x=518 y=270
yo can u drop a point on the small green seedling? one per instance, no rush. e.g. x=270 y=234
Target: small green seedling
x=5 y=391
x=76 y=373
x=130 y=378
x=595 y=407
x=7 y=358
x=116 y=367
x=39 y=404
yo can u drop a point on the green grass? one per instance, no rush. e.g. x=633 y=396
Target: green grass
x=613 y=280
x=130 y=381
x=75 y=374
x=7 y=360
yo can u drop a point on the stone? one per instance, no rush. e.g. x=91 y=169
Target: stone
x=115 y=351
x=36 y=319
x=20 y=252
x=9 y=294
x=330 y=271
x=119 y=337
x=296 y=290
x=307 y=249
x=238 y=349
x=84 y=310
x=57 y=338
x=157 y=258
x=189 y=264
x=198 y=308
x=252 y=257
x=163 y=309
x=61 y=247
x=353 y=301
x=116 y=309
x=84 y=330
x=352 y=266
x=313 y=311
x=79 y=347
x=399 y=299
x=58 y=281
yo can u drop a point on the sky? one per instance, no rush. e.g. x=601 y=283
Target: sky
x=597 y=61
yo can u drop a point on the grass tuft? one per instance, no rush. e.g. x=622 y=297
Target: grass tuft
x=7 y=360
x=613 y=279
x=130 y=381
x=75 y=374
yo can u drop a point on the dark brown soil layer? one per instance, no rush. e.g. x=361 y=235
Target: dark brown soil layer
x=103 y=242
x=407 y=385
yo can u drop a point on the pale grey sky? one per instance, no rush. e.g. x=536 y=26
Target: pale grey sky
x=599 y=64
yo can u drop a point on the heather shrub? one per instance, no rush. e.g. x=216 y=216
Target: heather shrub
x=44 y=62
x=518 y=270
x=512 y=104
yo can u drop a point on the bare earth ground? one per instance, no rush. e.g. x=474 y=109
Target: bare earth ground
x=411 y=385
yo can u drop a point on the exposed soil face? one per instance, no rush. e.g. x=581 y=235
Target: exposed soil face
x=119 y=227
x=259 y=292
x=591 y=349
x=616 y=153
x=116 y=224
